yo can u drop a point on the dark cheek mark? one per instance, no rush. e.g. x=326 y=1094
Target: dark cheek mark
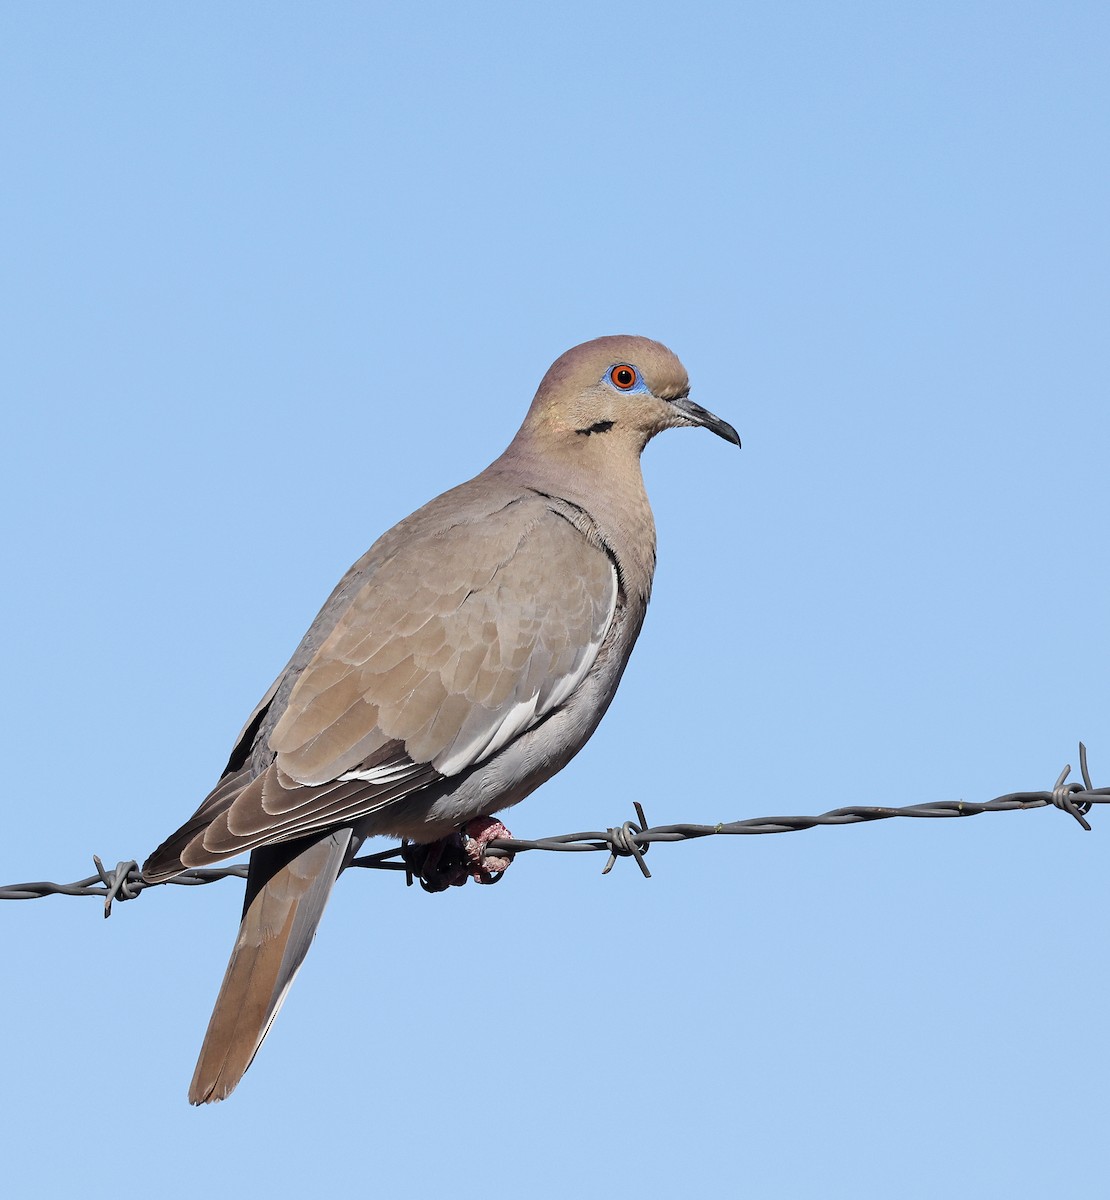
x=596 y=427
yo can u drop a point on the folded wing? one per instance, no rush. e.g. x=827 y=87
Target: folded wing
x=443 y=656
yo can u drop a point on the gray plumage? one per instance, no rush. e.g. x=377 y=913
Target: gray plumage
x=460 y=663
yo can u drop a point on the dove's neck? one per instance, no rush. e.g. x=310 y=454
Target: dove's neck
x=604 y=480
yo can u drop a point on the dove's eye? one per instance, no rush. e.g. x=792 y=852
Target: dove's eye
x=623 y=376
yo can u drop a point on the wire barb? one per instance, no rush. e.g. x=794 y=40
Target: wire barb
x=623 y=843
x=1063 y=793
x=633 y=839
x=118 y=884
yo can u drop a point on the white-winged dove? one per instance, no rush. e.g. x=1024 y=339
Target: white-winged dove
x=461 y=662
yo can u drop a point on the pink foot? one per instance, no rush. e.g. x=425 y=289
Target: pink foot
x=477 y=836
x=453 y=860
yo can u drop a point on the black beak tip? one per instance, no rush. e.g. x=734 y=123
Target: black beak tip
x=722 y=429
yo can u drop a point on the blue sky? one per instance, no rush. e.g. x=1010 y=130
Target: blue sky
x=275 y=275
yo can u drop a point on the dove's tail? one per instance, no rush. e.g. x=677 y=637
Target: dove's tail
x=287 y=888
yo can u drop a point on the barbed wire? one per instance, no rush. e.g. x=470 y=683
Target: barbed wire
x=633 y=839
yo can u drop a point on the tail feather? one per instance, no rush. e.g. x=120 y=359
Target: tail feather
x=287 y=889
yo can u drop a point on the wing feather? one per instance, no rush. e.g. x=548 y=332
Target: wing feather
x=444 y=654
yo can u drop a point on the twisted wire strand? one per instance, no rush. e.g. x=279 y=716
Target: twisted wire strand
x=632 y=839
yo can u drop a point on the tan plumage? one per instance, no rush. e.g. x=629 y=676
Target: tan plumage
x=462 y=661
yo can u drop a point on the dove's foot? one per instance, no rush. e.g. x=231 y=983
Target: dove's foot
x=453 y=860
x=486 y=868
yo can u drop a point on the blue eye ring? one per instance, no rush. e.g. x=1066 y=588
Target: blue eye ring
x=624 y=376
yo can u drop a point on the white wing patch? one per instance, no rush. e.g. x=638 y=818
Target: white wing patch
x=389 y=773
x=492 y=731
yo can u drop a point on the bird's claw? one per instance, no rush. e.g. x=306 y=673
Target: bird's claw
x=477 y=834
x=453 y=860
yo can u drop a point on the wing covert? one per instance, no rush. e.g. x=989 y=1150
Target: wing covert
x=453 y=647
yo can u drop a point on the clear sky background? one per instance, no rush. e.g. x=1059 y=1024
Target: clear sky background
x=274 y=275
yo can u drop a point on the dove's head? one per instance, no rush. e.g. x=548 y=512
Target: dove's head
x=622 y=389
